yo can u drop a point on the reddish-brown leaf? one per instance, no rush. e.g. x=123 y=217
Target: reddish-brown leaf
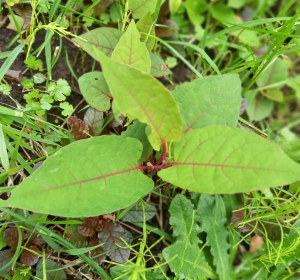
x=96 y=251
x=29 y=258
x=35 y=238
x=256 y=243
x=237 y=217
x=111 y=235
x=11 y=237
x=87 y=228
x=78 y=127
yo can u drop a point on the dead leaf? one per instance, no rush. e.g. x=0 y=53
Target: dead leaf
x=167 y=31
x=111 y=234
x=96 y=251
x=15 y=74
x=78 y=127
x=256 y=243
x=11 y=237
x=87 y=228
x=238 y=216
x=24 y=11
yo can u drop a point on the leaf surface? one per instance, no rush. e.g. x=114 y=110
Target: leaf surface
x=214 y=100
x=190 y=261
x=104 y=39
x=5 y=257
x=78 y=128
x=130 y=50
x=143 y=97
x=86 y=178
x=95 y=120
x=212 y=217
x=220 y=159
x=145 y=25
x=78 y=240
x=158 y=66
x=87 y=228
x=140 y=8
x=53 y=271
x=96 y=252
x=95 y=90
x=138 y=130
x=136 y=214
x=29 y=258
x=111 y=234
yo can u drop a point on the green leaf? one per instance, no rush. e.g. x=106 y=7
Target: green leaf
x=258 y=107
x=146 y=25
x=27 y=84
x=138 y=130
x=104 y=39
x=140 y=8
x=95 y=90
x=212 y=216
x=76 y=252
x=294 y=83
x=31 y=95
x=174 y=6
x=290 y=143
x=53 y=271
x=67 y=108
x=274 y=94
x=189 y=261
x=136 y=213
x=22 y=274
x=95 y=120
x=5 y=89
x=237 y=3
x=276 y=72
x=35 y=64
x=12 y=25
x=143 y=97
x=220 y=159
x=116 y=11
x=223 y=13
x=247 y=37
x=214 y=100
x=194 y=9
x=59 y=90
x=39 y=78
x=130 y=50
x=86 y=178
x=158 y=66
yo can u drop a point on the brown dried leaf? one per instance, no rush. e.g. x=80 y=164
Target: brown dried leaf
x=111 y=234
x=11 y=237
x=256 y=243
x=35 y=238
x=167 y=31
x=28 y=258
x=24 y=11
x=238 y=216
x=87 y=228
x=78 y=127
x=15 y=74
x=96 y=251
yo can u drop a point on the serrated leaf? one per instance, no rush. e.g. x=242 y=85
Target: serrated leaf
x=214 y=100
x=67 y=108
x=78 y=128
x=190 y=261
x=258 y=107
x=87 y=228
x=130 y=50
x=212 y=217
x=136 y=214
x=138 y=130
x=95 y=120
x=158 y=66
x=111 y=234
x=53 y=270
x=220 y=159
x=145 y=25
x=95 y=90
x=143 y=97
x=86 y=178
x=140 y=8
x=104 y=39
x=78 y=240
x=5 y=257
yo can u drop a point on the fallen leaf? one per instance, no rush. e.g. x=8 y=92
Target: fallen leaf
x=24 y=11
x=238 y=216
x=96 y=251
x=256 y=243
x=78 y=127
x=15 y=74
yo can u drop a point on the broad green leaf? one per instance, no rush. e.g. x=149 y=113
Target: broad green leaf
x=104 y=39
x=158 y=66
x=130 y=50
x=140 y=8
x=86 y=178
x=53 y=270
x=12 y=25
x=138 y=130
x=223 y=13
x=22 y=274
x=194 y=9
x=146 y=25
x=214 y=100
x=116 y=11
x=294 y=83
x=190 y=261
x=247 y=37
x=274 y=94
x=290 y=143
x=174 y=6
x=143 y=97
x=220 y=159
x=276 y=72
x=258 y=107
x=212 y=216
x=237 y=3
x=95 y=90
